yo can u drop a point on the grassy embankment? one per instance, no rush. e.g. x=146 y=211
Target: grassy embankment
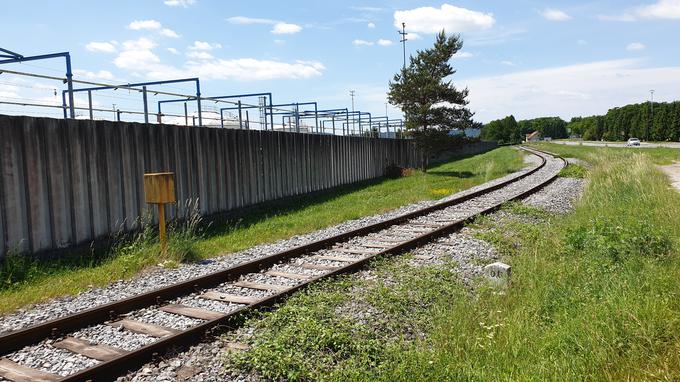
x=595 y=296
x=26 y=282
x=660 y=155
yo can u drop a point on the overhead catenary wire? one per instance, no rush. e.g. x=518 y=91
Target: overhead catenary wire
x=87 y=108
x=128 y=87
x=291 y=110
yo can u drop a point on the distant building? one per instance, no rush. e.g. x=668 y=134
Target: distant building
x=533 y=137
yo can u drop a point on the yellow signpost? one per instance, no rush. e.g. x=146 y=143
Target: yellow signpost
x=159 y=189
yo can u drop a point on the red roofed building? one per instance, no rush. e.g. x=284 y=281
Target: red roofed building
x=533 y=137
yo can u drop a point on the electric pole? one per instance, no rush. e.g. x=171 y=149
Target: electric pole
x=651 y=107
x=403 y=40
x=351 y=94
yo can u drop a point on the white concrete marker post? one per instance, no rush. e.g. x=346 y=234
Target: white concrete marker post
x=498 y=273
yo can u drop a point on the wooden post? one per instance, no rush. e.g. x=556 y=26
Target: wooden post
x=161 y=229
x=159 y=189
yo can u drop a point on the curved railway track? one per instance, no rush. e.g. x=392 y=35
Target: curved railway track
x=217 y=299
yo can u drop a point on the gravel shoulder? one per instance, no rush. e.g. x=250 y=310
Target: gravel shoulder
x=673 y=173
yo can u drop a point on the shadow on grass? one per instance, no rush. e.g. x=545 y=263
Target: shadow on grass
x=17 y=268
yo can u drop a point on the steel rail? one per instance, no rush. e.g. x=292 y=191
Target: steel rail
x=16 y=339
x=110 y=369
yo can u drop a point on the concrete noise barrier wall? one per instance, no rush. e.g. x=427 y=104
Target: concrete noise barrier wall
x=69 y=182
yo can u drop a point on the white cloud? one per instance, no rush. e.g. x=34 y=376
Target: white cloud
x=383 y=42
x=169 y=33
x=106 y=47
x=9 y=91
x=200 y=55
x=203 y=45
x=173 y=50
x=100 y=75
x=179 y=3
x=633 y=46
x=145 y=25
x=136 y=59
x=359 y=42
x=582 y=89
x=507 y=63
x=450 y=18
x=582 y=42
x=662 y=9
x=142 y=43
x=250 y=69
x=243 y=20
x=371 y=25
x=139 y=58
x=463 y=55
x=413 y=36
x=555 y=14
x=152 y=25
x=280 y=27
x=286 y=28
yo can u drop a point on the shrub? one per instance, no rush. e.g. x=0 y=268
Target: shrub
x=619 y=241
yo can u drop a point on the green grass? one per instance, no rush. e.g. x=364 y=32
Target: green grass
x=595 y=296
x=28 y=282
x=659 y=155
x=573 y=171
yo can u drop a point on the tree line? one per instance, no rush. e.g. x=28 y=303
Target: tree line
x=509 y=131
x=619 y=124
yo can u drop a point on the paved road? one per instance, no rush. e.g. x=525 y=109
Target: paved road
x=673 y=145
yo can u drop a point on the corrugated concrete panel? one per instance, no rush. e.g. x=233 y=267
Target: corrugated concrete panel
x=68 y=182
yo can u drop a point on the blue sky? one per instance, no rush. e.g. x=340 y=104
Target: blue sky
x=526 y=58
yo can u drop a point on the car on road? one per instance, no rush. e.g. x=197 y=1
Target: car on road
x=633 y=142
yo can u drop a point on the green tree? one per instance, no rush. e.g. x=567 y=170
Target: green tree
x=553 y=127
x=503 y=131
x=431 y=104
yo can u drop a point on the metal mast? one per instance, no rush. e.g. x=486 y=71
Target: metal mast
x=403 y=40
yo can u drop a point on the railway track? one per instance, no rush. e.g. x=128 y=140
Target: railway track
x=181 y=314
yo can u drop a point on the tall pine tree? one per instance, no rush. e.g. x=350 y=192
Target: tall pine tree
x=432 y=106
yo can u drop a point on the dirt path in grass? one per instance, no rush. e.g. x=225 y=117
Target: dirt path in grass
x=673 y=173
